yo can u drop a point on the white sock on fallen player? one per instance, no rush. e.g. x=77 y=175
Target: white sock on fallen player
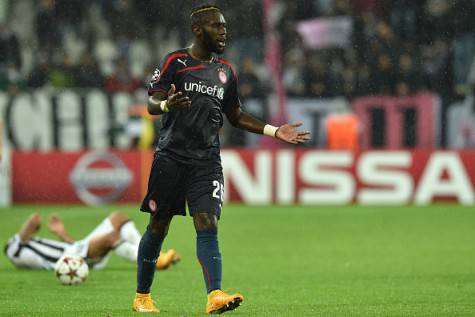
x=129 y=232
x=127 y=250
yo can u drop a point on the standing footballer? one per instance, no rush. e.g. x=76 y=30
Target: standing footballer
x=192 y=90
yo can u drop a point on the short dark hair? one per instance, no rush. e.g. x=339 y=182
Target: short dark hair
x=198 y=12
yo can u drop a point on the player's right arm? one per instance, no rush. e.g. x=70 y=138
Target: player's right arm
x=159 y=102
x=163 y=96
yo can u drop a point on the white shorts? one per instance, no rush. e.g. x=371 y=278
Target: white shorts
x=41 y=253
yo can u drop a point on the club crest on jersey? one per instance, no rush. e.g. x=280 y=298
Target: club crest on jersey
x=222 y=75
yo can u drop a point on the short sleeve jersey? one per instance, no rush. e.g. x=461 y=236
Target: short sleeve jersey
x=192 y=135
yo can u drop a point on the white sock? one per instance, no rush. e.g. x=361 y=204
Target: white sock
x=127 y=250
x=129 y=232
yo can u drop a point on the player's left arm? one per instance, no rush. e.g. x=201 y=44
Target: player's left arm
x=287 y=132
x=240 y=119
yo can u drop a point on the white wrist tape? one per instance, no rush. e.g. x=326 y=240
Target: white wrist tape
x=164 y=106
x=270 y=130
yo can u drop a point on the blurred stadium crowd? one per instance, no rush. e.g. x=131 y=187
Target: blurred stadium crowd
x=398 y=47
x=113 y=44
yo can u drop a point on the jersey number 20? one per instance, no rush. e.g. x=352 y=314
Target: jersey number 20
x=218 y=192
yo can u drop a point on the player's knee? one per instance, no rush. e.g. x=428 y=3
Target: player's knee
x=118 y=218
x=159 y=229
x=112 y=239
x=205 y=221
x=158 y=232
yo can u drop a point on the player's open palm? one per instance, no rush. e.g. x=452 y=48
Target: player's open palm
x=289 y=133
x=176 y=100
x=55 y=224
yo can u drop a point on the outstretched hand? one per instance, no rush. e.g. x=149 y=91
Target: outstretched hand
x=55 y=224
x=176 y=101
x=288 y=133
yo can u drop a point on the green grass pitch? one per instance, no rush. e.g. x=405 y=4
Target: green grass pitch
x=286 y=261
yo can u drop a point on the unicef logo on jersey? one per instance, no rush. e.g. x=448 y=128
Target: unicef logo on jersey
x=214 y=91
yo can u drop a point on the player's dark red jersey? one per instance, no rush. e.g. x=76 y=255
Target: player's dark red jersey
x=192 y=136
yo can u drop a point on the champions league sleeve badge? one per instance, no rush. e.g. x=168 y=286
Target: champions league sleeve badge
x=156 y=75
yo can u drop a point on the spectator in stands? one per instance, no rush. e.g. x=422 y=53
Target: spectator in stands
x=403 y=15
x=10 y=61
x=347 y=83
x=386 y=40
x=47 y=25
x=293 y=76
x=250 y=85
x=436 y=14
x=123 y=18
x=369 y=6
x=148 y=12
x=436 y=67
x=39 y=76
x=10 y=79
x=471 y=79
x=317 y=78
x=87 y=74
x=463 y=42
x=10 y=53
x=382 y=77
x=362 y=80
x=343 y=7
x=247 y=37
x=122 y=80
x=408 y=79
x=71 y=13
x=302 y=9
x=61 y=73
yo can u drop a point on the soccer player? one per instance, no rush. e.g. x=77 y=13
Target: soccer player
x=117 y=232
x=192 y=89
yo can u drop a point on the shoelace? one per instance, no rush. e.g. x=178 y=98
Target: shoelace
x=149 y=304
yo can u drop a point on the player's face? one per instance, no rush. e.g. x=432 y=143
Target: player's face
x=214 y=33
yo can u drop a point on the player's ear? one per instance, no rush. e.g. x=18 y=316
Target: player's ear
x=196 y=29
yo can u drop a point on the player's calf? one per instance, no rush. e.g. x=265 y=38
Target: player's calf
x=30 y=227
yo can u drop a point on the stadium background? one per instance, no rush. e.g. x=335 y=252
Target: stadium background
x=385 y=87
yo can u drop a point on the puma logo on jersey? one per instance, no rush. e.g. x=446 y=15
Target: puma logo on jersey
x=180 y=61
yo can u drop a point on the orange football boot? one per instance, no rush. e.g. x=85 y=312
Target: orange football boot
x=219 y=302
x=143 y=303
x=167 y=258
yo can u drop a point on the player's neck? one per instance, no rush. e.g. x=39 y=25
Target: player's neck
x=200 y=53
